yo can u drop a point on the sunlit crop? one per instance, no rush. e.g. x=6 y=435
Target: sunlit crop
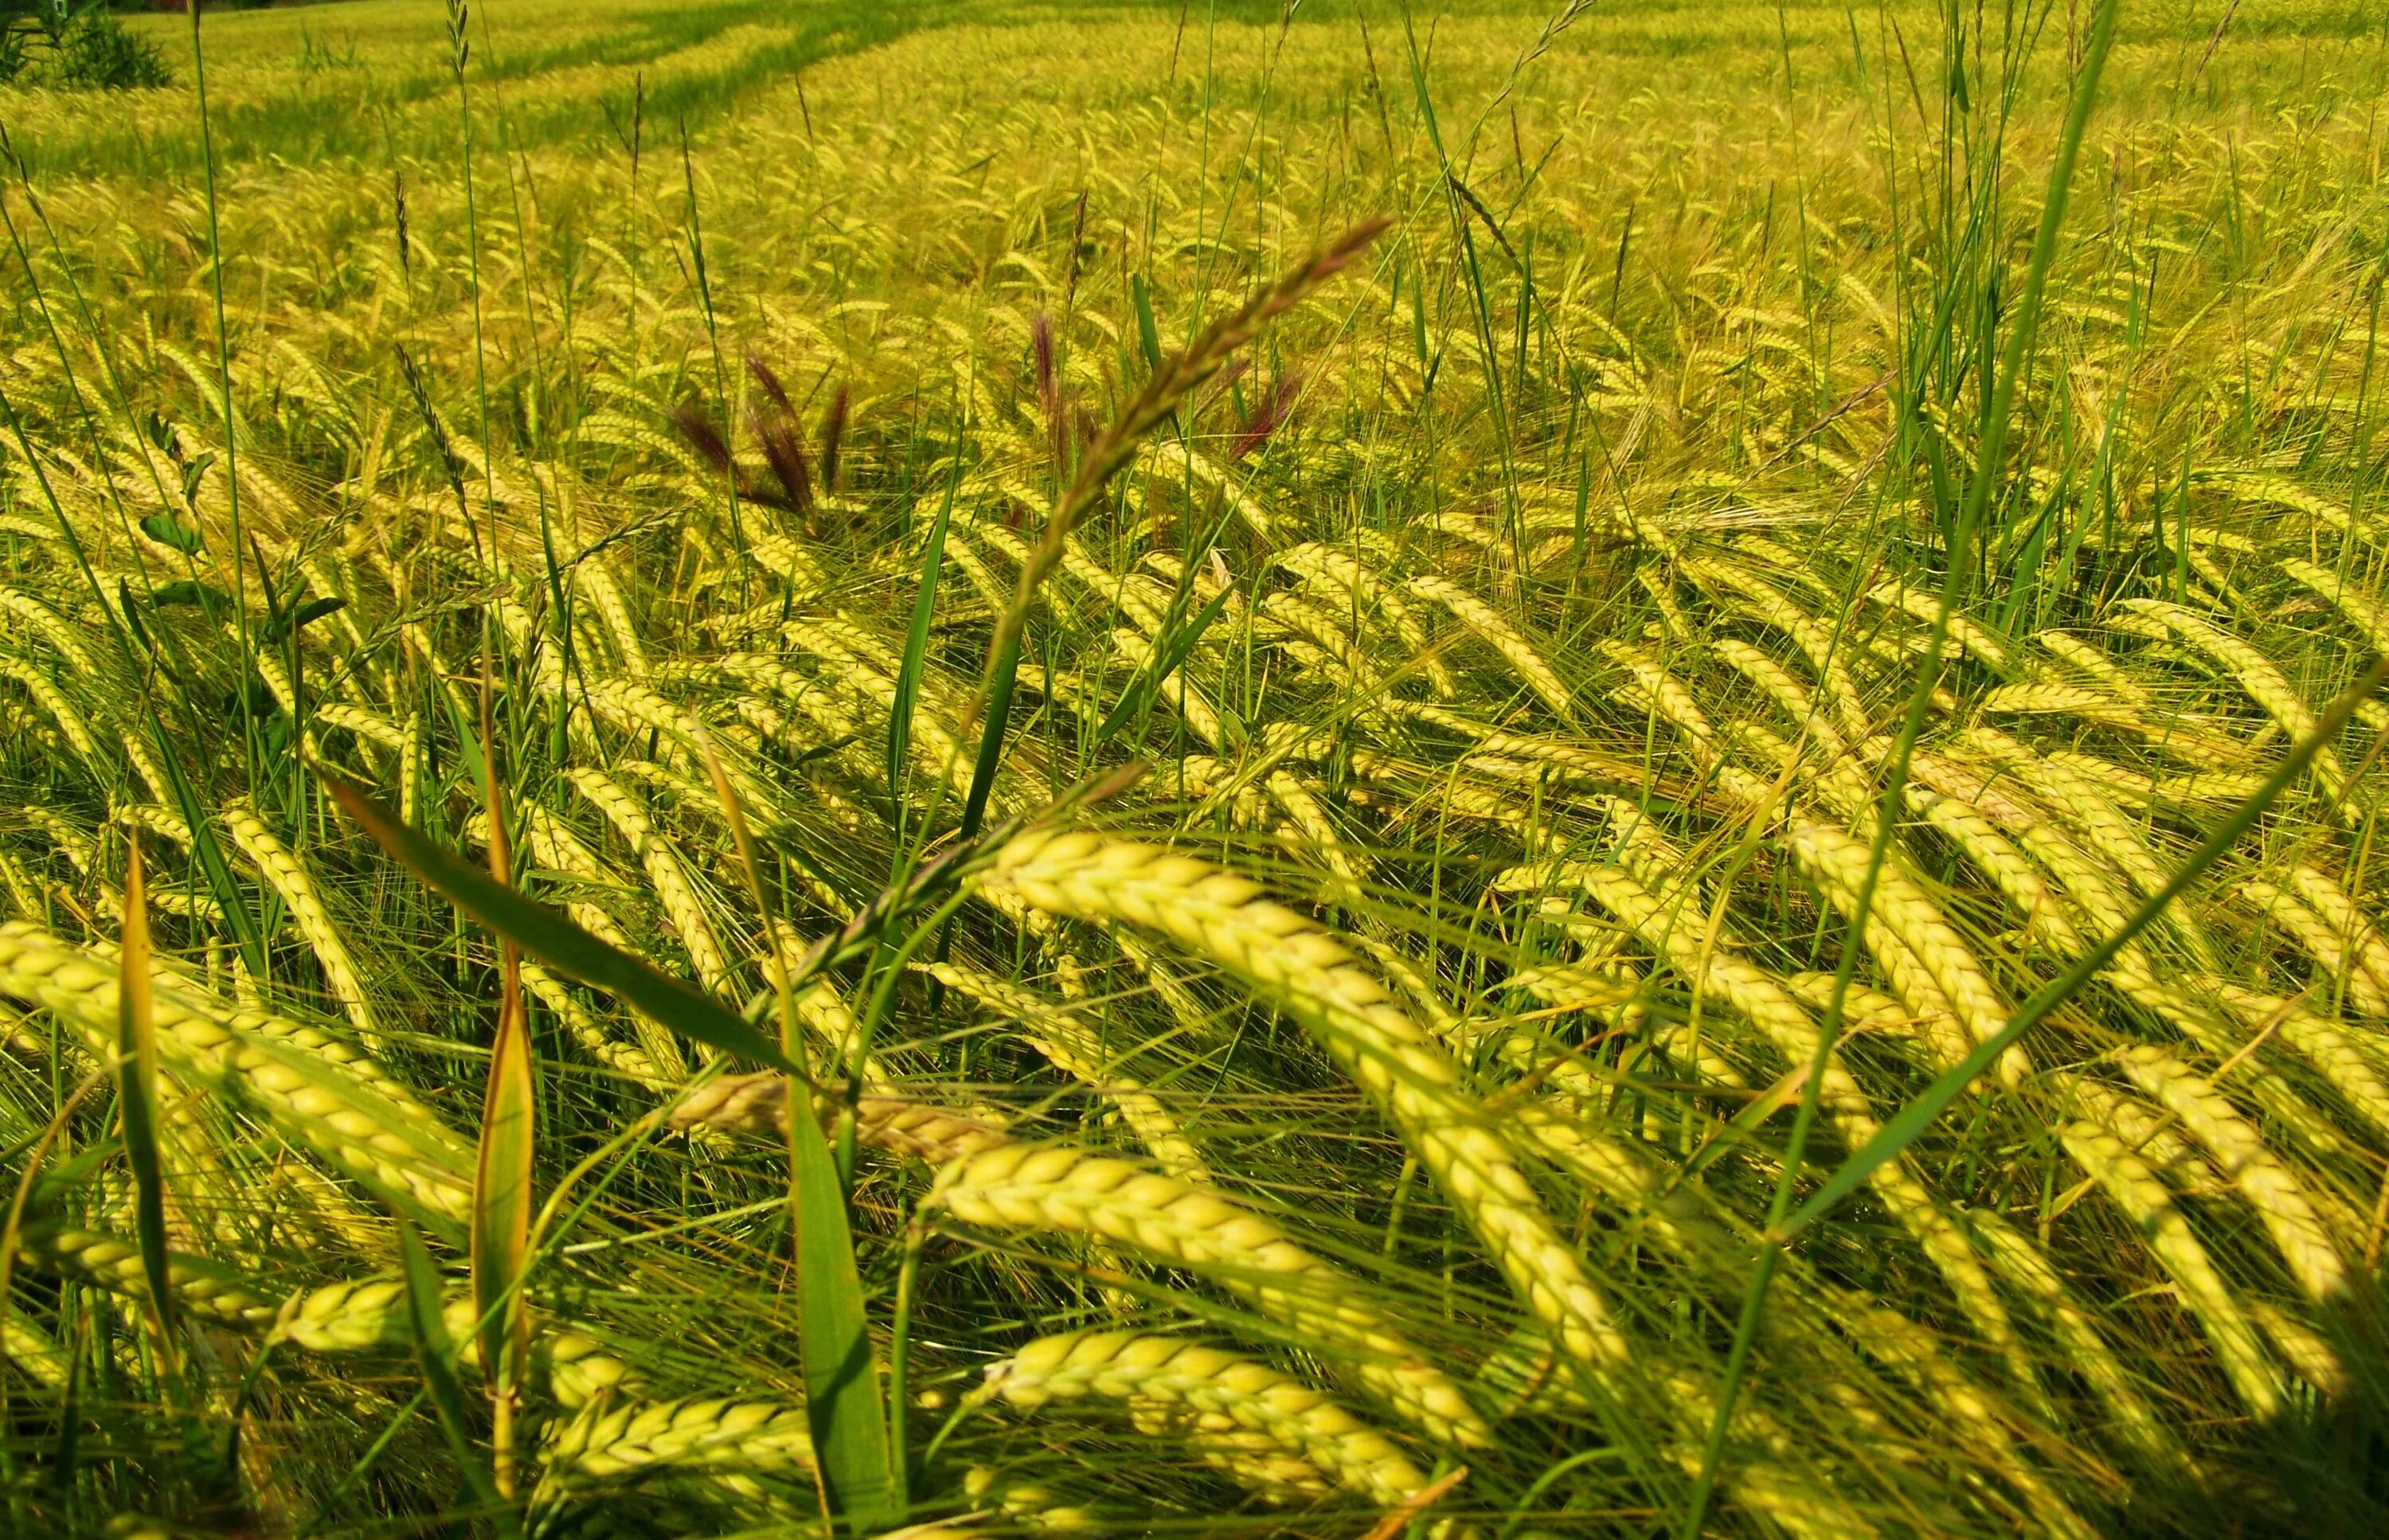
x=1494 y=773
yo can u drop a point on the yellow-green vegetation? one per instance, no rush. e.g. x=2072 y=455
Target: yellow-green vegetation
x=1347 y=771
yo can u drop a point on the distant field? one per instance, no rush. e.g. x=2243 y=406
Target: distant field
x=1494 y=772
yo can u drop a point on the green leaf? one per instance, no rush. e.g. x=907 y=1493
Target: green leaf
x=502 y=1180
x=163 y=529
x=1148 y=335
x=133 y=616
x=136 y=1072
x=437 y=1357
x=298 y=616
x=842 y=1399
x=192 y=472
x=549 y=937
x=466 y=749
x=1003 y=678
x=226 y=892
x=501 y=1171
x=214 y=601
x=849 y=1426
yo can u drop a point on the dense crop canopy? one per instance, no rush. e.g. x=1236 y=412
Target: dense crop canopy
x=1478 y=828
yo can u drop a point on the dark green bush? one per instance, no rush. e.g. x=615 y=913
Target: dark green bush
x=63 y=42
x=16 y=53
x=96 y=50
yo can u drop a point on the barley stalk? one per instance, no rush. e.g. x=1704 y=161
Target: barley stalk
x=202 y=1289
x=673 y=889
x=1160 y=394
x=2334 y=1051
x=2087 y=660
x=2328 y=943
x=1795 y=700
x=1497 y=633
x=2266 y=685
x=1786 y=1024
x=1075 y=1053
x=758 y=1104
x=2232 y=1142
x=51 y=699
x=1928 y=965
x=55 y=629
x=605 y=597
x=32 y=1351
x=2364 y=611
x=2355 y=930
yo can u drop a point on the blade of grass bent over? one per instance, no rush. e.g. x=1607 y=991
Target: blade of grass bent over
x=550 y=938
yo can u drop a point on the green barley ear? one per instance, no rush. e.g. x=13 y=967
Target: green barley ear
x=1058 y=1189
x=318 y=1090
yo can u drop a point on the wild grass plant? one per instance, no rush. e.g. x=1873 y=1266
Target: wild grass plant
x=970 y=769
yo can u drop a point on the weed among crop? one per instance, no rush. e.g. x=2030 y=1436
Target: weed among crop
x=60 y=44
x=1197 y=770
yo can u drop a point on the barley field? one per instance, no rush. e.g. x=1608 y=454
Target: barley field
x=976 y=766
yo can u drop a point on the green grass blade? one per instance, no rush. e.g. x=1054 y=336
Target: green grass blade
x=1001 y=680
x=849 y=1426
x=501 y=1171
x=469 y=743
x=436 y=1356
x=136 y=1071
x=550 y=938
x=502 y=1204
x=212 y=864
x=858 y=1476
x=1148 y=335
x=1174 y=653
x=842 y=1400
